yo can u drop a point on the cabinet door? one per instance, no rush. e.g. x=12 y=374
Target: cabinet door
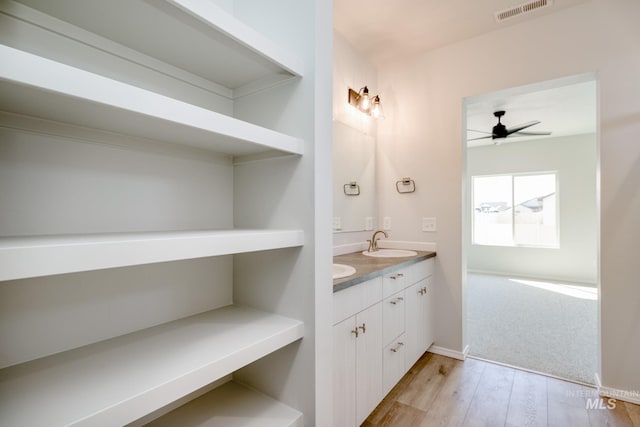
x=368 y=361
x=344 y=373
x=418 y=323
x=429 y=322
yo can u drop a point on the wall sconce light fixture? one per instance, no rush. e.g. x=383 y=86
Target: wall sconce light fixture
x=363 y=102
x=376 y=109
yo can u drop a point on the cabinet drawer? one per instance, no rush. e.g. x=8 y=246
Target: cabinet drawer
x=350 y=301
x=393 y=363
x=420 y=271
x=394 y=282
x=393 y=317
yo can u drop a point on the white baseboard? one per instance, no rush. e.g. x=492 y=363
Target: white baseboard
x=460 y=355
x=542 y=277
x=631 y=396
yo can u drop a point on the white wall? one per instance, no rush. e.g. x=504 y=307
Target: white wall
x=351 y=69
x=574 y=160
x=423 y=139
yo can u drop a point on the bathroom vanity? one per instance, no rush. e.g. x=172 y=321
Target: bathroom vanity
x=382 y=324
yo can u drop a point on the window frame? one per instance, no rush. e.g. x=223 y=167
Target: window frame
x=513 y=210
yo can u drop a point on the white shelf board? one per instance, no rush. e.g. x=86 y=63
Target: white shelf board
x=231 y=405
x=23 y=257
x=39 y=87
x=195 y=35
x=218 y=19
x=118 y=381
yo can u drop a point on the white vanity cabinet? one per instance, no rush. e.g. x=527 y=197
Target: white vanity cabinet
x=381 y=327
x=357 y=359
x=358 y=366
x=393 y=315
x=393 y=362
x=419 y=320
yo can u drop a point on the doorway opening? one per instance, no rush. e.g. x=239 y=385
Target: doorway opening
x=531 y=227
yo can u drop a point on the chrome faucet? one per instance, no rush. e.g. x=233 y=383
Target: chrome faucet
x=373 y=243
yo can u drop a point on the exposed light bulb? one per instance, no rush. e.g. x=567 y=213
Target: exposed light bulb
x=364 y=103
x=376 y=110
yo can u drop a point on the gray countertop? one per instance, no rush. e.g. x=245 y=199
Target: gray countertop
x=368 y=268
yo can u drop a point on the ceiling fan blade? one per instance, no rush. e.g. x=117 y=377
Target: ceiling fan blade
x=534 y=133
x=531 y=133
x=480 y=137
x=522 y=126
x=481 y=131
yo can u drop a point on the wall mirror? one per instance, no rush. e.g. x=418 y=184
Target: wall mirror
x=354 y=200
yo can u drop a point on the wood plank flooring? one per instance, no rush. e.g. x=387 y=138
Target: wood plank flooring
x=440 y=391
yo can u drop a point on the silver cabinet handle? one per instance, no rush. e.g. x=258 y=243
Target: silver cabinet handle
x=395 y=350
x=397 y=300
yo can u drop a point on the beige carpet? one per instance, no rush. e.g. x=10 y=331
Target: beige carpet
x=538 y=325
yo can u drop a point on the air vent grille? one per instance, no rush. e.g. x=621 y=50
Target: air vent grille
x=523 y=8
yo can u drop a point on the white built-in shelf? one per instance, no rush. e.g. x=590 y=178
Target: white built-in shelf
x=194 y=35
x=120 y=380
x=23 y=257
x=231 y=405
x=36 y=86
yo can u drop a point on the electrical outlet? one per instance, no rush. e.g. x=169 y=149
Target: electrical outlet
x=386 y=223
x=429 y=224
x=368 y=223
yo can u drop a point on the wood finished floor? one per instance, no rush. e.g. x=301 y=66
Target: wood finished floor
x=440 y=391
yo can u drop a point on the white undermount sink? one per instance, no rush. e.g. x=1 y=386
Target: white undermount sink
x=342 y=270
x=390 y=253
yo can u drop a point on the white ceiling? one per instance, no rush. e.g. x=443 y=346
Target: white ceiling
x=383 y=30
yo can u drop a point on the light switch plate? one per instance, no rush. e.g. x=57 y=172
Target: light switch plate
x=368 y=223
x=429 y=224
x=386 y=223
x=337 y=223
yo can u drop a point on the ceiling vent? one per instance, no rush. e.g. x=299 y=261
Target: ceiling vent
x=514 y=11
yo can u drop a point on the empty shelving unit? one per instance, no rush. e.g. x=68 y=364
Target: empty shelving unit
x=159 y=185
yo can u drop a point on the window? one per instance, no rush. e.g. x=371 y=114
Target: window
x=515 y=210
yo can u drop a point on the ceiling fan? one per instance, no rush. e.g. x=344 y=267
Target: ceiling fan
x=500 y=131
